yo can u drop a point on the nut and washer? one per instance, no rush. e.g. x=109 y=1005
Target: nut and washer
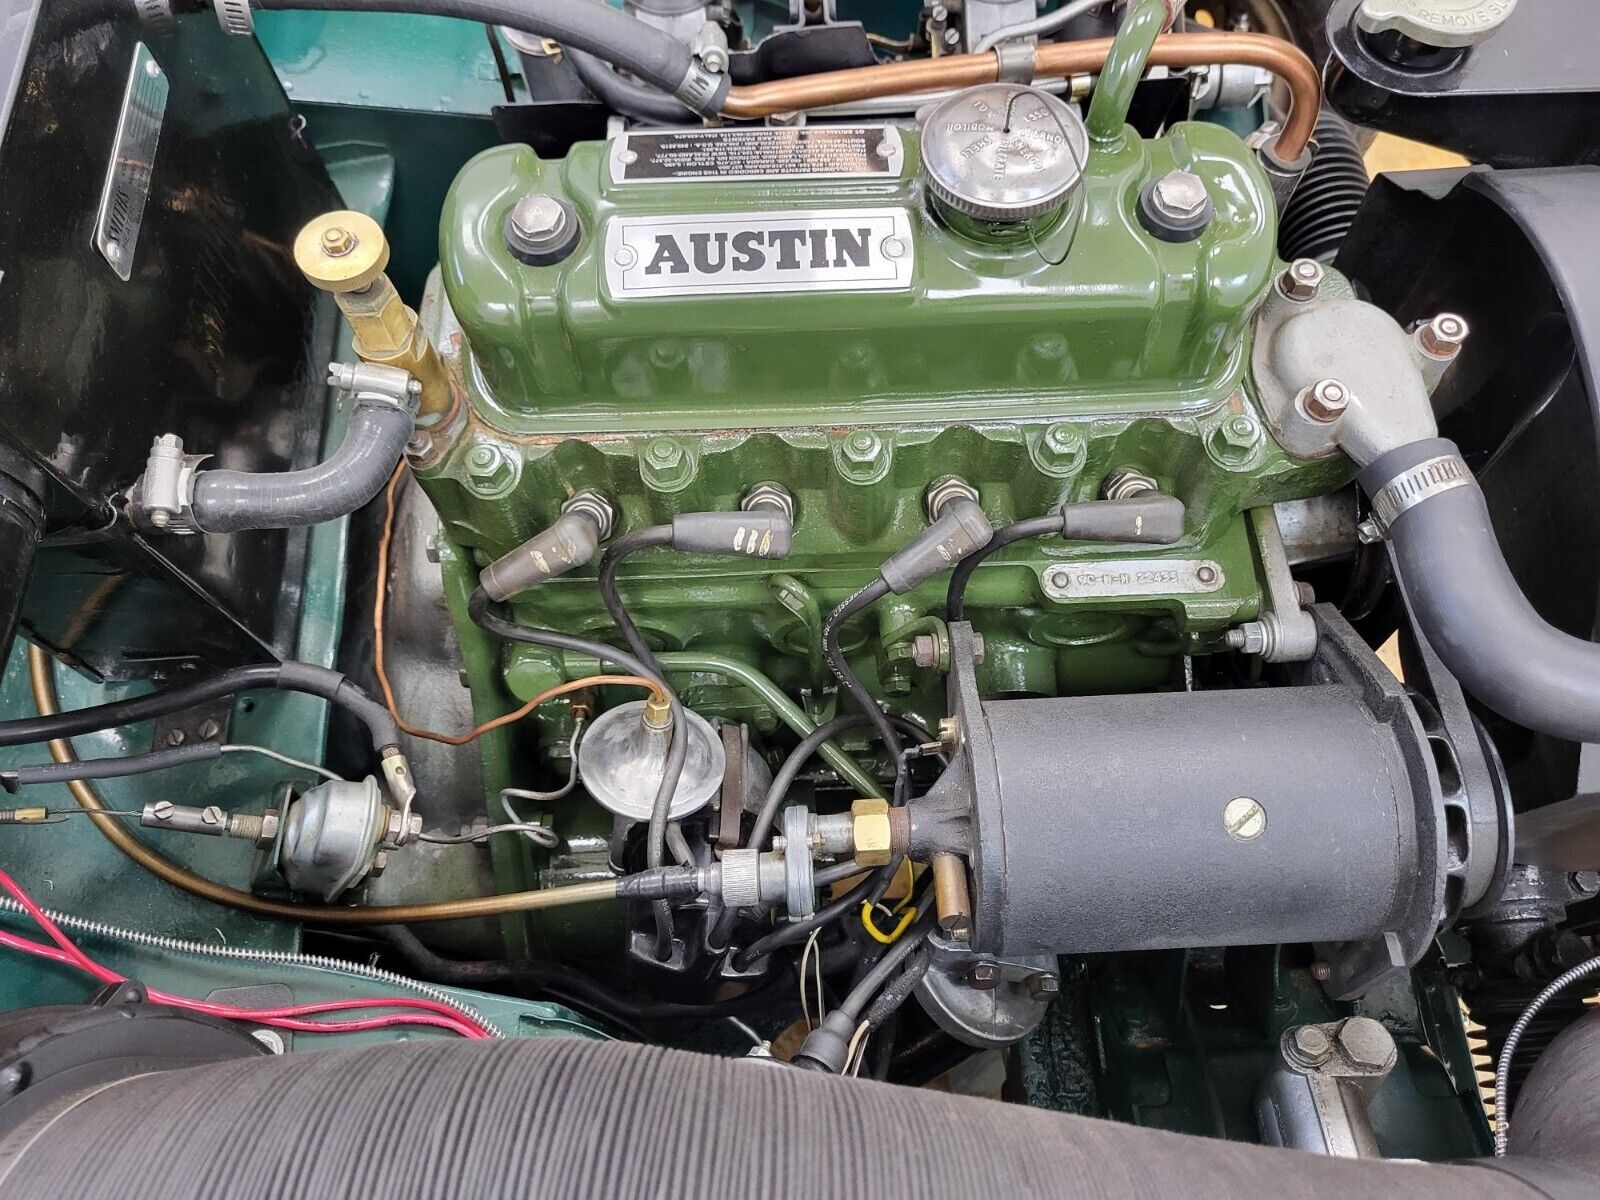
x=870 y=817
x=1308 y=1046
x=1324 y=401
x=1442 y=337
x=1301 y=280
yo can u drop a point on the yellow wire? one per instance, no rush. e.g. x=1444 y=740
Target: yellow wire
x=906 y=917
x=911 y=883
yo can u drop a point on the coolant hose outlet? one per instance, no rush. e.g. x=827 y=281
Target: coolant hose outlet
x=1466 y=601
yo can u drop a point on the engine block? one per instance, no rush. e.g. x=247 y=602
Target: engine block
x=829 y=328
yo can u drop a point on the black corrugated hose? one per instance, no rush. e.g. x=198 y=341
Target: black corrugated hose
x=1325 y=204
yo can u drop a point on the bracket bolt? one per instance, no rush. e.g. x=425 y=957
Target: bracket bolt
x=1250 y=638
x=1043 y=986
x=1309 y=1046
x=984 y=975
x=925 y=650
x=491 y=470
x=1301 y=280
x=1443 y=336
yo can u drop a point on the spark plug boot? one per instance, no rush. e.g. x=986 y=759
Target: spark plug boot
x=1149 y=517
x=584 y=523
x=960 y=529
x=760 y=533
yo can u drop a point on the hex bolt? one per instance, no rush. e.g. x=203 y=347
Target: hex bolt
x=984 y=975
x=1310 y=1046
x=1060 y=451
x=1233 y=443
x=1366 y=1043
x=1179 y=194
x=338 y=241
x=863 y=458
x=538 y=217
x=1443 y=336
x=491 y=471
x=1043 y=986
x=944 y=491
x=1244 y=819
x=665 y=466
x=1324 y=401
x=1124 y=483
x=1301 y=280
x=768 y=495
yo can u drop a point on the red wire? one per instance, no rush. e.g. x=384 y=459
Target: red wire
x=422 y=1012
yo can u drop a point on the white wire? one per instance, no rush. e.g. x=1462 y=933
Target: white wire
x=805 y=963
x=745 y=1029
x=857 y=1050
x=245 y=748
x=538 y=834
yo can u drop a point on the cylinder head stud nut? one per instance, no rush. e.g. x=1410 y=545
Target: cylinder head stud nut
x=1301 y=280
x=1060 y=451
x=1235 y=441
x=1176 y=207
x=541 y=230
x=665 y=466
x=863 y=457
x=1324 y=401
x=1442 y=337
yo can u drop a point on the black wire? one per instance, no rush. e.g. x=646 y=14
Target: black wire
x=677 y=746
x=285 y=676
x=109 y=768
x=502 y=68
x=834 y=654
x=860 y=996
x=955 y=605
x=630 y=543
x=798 y=931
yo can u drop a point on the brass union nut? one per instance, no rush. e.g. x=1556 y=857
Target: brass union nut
x=872 y=835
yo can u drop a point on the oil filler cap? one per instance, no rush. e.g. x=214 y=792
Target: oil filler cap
x=1003 y=152
x=1442 y=24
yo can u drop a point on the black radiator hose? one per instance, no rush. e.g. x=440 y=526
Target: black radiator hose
x=1325 y=203
x=1466 y=602
x=546 y=1117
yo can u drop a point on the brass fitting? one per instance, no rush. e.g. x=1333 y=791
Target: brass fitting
x=657 y=711
x=872 y=834
x=345 y=253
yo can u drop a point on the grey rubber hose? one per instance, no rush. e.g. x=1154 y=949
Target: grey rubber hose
x=1468 y=605
x=228 y=501
x=608 y=33
x=545 y=1117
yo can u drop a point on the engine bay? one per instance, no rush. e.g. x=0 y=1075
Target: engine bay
x=968 y=545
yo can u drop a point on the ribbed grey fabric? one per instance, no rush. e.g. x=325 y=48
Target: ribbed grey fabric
x=570 y=1118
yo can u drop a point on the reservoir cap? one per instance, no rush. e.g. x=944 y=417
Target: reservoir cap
x=1003 y=152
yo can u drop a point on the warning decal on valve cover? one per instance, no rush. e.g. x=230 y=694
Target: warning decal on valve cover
x=826 y=152
x=837 y=250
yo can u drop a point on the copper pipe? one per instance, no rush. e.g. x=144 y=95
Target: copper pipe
x=45 y=699
x=1283 y=59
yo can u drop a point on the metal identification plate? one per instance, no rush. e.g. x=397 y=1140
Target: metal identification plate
x=133 y=157
x=830 y=250
x=1107 y=578
x=728 y=155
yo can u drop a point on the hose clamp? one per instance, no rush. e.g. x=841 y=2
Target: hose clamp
x=799 y=871
x=700 y=89
x=234 y=16
x=372 y=383
x=1016 y=62
x=1416 y=484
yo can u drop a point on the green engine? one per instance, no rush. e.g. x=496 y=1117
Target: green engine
x=839 y=316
